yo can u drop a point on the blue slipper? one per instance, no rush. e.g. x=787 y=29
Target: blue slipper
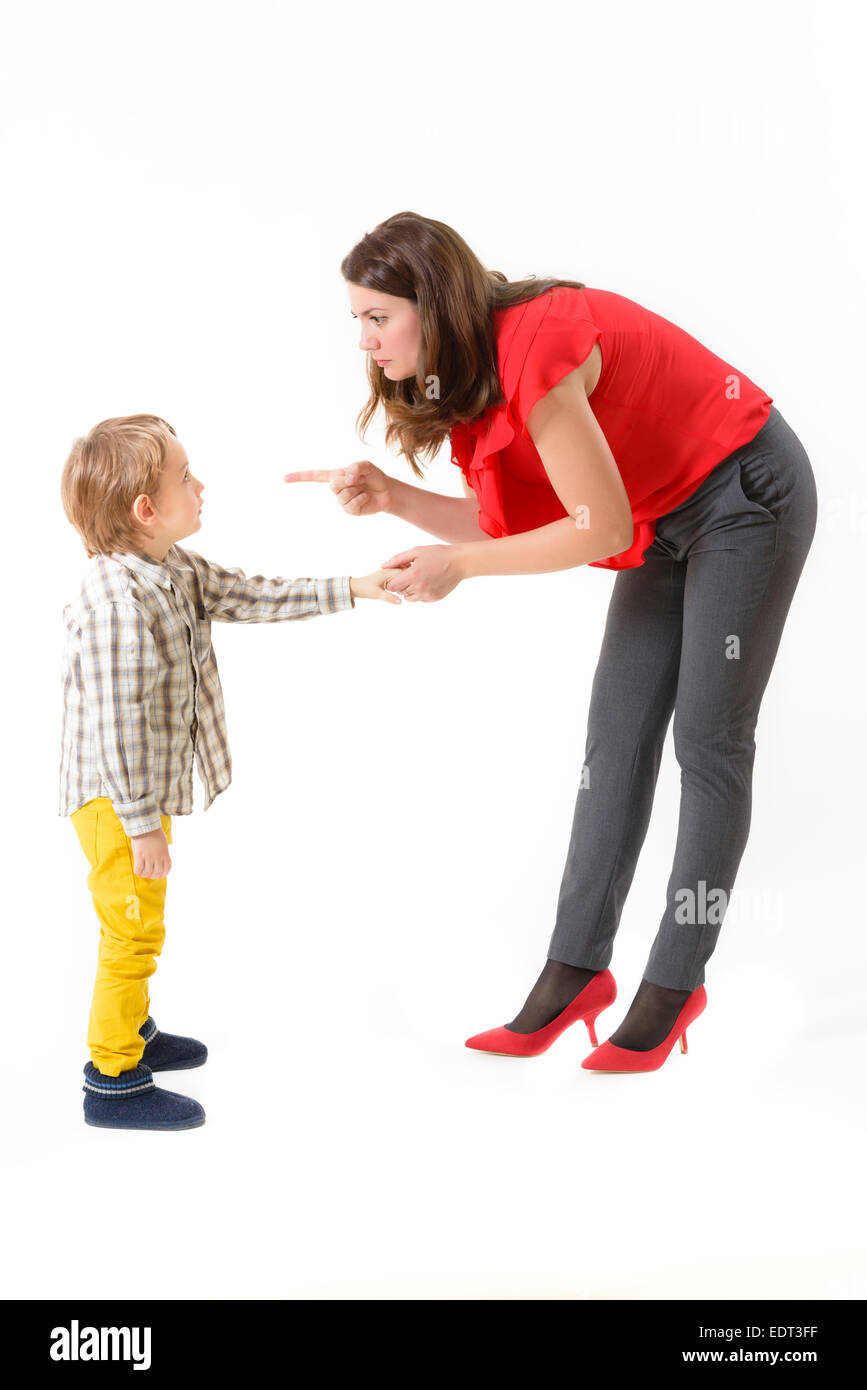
x=168 y=1051
x=132 y=1101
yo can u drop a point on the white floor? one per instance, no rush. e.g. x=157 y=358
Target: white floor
x=355 y=1148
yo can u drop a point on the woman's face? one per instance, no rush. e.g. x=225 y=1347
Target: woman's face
x=390 y=330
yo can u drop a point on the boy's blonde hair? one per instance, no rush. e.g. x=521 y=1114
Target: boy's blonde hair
x=105 y=473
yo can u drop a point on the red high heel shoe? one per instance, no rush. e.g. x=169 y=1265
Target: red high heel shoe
x=610 y=1057
x=588 y=1003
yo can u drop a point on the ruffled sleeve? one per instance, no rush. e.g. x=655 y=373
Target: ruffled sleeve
x=476 y=450
x=538 y=343
x=547 y=348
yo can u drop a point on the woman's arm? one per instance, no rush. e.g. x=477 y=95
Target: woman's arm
x=559 y=546
x=452 y=519
x=584 y=474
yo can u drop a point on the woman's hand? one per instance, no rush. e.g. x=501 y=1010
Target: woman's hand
x=425 y=574
x=361 y=489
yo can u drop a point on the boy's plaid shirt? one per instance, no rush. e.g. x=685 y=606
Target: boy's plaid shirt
x=141 y=690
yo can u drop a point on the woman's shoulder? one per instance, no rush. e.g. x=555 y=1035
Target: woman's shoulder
x=537 y=341
x=560 y=302
x=556 y=333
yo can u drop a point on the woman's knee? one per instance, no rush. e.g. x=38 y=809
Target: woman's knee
x=714 y=748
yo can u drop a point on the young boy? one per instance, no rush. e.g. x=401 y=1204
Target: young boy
x=141 y=700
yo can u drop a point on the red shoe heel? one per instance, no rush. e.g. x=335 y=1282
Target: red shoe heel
x=588 y=1004
x=610 y=1057
x=591 y=1028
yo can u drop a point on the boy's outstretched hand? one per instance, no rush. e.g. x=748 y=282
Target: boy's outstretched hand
x=371 y=586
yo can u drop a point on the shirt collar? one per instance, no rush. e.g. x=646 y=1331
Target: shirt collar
x=159 y=571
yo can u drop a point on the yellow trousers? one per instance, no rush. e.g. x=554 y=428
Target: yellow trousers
x=131 y=935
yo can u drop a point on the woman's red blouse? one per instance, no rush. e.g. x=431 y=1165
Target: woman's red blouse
x=669 y=408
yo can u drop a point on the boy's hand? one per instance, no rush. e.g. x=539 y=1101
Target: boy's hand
x=151 y=854
x=371 y=586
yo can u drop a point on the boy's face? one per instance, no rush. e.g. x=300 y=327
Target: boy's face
x=175 y=511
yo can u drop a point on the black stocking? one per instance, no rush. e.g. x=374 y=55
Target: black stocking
x=556 y=987
x=650 y=1018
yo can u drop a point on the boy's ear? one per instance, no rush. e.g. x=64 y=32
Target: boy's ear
x=144 y=507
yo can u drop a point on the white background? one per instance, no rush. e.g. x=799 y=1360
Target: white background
x=182 y=181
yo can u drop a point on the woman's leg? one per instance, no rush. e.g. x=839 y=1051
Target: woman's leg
x=738 y=546
x=631 y=703
x=746 y=537
x=741 y=579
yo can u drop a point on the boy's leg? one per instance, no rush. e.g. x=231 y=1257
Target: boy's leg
x=132 y=931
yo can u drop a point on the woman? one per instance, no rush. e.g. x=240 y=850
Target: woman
x=590 y=430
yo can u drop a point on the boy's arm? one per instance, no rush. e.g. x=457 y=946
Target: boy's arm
x=118 y=672
x=231 y=597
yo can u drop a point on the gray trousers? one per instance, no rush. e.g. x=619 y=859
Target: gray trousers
x=694 y=630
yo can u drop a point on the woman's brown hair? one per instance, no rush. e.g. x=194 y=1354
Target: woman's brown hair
x=427 y=262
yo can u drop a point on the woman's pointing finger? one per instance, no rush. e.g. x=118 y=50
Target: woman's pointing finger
x=314 y=475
